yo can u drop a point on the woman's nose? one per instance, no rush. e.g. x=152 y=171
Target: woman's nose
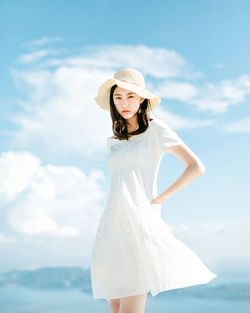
x=124 y=104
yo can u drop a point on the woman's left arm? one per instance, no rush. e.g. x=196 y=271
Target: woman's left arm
x=194 y=168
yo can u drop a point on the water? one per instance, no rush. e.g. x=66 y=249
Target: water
x=17 y=299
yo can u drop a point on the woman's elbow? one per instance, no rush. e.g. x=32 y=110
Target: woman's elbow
x=200 y=167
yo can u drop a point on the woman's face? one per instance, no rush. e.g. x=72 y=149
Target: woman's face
x=126 y=102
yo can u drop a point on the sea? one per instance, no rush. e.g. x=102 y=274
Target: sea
x=18 y=299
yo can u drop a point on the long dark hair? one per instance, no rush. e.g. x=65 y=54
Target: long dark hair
x=119 y=125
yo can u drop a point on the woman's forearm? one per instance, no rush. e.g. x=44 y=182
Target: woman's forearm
x=188 y=175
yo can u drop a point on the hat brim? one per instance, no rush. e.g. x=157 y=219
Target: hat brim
x=103 y=96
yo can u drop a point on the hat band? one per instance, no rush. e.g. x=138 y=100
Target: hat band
x=127 y=81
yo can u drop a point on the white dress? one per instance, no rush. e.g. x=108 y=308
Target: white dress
x=134 y=251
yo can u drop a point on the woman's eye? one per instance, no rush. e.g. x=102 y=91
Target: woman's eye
x=120 y=97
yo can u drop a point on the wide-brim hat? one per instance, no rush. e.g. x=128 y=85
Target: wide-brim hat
x=129 y=79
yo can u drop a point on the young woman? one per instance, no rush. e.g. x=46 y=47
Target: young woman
x=134 y=250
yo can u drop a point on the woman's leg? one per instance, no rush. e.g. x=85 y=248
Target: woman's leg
x=114 y=305
x=133 y=304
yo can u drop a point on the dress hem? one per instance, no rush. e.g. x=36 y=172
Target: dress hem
x=159 y=290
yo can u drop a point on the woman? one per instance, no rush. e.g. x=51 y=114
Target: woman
x=134 y=250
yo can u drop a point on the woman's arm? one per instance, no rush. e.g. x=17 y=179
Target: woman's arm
x=194 y=168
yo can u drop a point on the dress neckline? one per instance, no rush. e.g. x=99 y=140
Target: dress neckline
x=134 y=136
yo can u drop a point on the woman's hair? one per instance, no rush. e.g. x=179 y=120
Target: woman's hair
x=119 y=125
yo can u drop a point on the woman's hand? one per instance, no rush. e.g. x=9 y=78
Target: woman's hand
x=157 y=200
x=156 y=203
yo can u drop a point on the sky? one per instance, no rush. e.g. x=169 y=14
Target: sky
x=54 y=178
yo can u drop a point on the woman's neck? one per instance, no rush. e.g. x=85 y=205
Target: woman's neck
x=132 y=124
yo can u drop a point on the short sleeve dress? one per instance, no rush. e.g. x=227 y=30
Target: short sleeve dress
x=134 y=250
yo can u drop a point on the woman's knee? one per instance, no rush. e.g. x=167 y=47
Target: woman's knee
x=133 y=304
x=114 y=305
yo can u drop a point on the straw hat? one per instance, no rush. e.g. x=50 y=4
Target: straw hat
x=129 y=79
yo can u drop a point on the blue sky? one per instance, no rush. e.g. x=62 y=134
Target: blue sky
x=54 y=55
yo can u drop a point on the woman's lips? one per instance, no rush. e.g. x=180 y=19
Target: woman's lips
x=125 y=111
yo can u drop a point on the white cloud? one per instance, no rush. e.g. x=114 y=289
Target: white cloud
x=48 y=199
x=33 y=57
x=40 y=223
x=218 y=98
x=240 y=126
x=61 y=113
x=17 y=171
x=217 y=240
x=153 y=61
x=44 y=41
x=182 y=91
x=213 y=98
x=178 y=122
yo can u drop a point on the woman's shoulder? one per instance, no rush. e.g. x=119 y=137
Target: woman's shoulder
x=164 y=134
x=158 y=124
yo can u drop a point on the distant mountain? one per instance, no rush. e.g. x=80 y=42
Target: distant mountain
x=76 y=277
x=229 y=291
x=49 y=277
